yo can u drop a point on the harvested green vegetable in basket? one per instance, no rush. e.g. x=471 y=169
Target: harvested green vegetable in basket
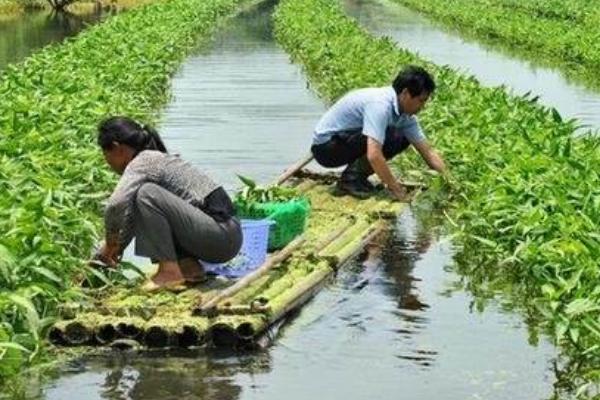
x=284 y=205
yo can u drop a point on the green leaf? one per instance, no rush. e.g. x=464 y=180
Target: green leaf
x=556 y=116
x=15 y=346
x=98 y=274
x=560 y=330
x=48 y=274
x=580 y=306
x=247 y=181
x=27 y=307
x=574 y=334
x=128 y=266
x=484 y=241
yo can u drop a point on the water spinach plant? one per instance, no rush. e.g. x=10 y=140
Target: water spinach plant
x=560 y=32
x=254 y=193
x=526 y=202
x=52 y=176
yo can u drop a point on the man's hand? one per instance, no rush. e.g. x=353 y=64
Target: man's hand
x=379 y=164
x=399 y=192
x=431 y=157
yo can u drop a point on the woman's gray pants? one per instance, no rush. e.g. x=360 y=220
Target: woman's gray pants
x=167 y=228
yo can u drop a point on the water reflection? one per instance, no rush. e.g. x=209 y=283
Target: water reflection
x=403 y=254
x=388 y=326
x=159 y=375
x=24 y=34
x=417 y=34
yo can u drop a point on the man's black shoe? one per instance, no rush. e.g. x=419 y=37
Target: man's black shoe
x=353 y=188
x=366 y=185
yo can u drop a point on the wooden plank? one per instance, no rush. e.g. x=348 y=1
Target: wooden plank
x=210 y=306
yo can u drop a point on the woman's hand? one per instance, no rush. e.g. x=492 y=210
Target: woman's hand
x=109 y=253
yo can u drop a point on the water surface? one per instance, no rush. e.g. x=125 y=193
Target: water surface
x=22 y=35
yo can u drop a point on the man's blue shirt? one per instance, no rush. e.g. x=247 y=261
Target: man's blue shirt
x=370 y=111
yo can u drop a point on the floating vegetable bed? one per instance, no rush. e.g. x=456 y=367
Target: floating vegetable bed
x=238 y=313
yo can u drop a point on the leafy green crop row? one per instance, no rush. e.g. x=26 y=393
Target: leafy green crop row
x=52 y=176
x=534 y=26
x=579 y=11
x=526 y=206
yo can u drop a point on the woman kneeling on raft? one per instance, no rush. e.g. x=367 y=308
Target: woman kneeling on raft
x=176 y=213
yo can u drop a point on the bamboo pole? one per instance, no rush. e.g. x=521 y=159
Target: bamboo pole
x=238 y=309
x=279 y=286
x=303 y=290
x=288 y=173
x=56 y=336
x=157 y=336
x=189 y=336
x=262 y=302
x=222 y=334
x=350 y=251
x=128 y=330
x=257 y=324
x=272 y=261
x=76 y=333
x=105 y=333
x=321 y=244
x=298 y=295
x=245 y=331
x=249 y=291
x=357 y=229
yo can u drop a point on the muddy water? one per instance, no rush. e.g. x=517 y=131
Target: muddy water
x=416 y=33
x=393 y=327
x=23 y=34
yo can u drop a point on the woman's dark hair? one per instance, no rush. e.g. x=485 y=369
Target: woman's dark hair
x=127 y=131
x=415 y=79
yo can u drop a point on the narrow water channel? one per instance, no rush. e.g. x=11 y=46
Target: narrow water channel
x=22 y=35
x=416 y=33
x=393 y=328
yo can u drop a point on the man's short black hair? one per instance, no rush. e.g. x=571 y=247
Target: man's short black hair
x=415 y=79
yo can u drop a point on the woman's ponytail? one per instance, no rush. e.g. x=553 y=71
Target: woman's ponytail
x=153 y=141
x=127 y=131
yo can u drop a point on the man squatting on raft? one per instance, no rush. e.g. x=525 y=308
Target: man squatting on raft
x=176 y=213
x=367 y=127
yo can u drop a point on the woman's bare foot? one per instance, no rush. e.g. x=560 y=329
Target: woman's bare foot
x=192 y=270
x=169 y=276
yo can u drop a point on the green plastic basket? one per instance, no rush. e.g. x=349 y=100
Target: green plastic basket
x=289 y=216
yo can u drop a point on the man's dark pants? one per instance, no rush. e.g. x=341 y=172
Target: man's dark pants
x=350 y=148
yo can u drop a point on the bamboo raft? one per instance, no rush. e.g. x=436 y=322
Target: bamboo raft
x=233 y=314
